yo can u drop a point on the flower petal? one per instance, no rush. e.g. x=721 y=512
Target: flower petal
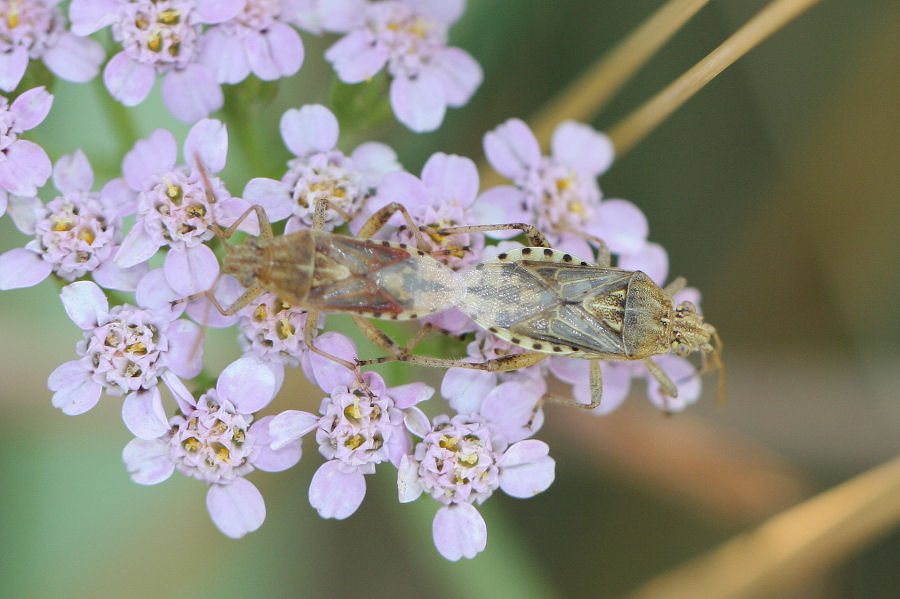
x=74 y=58
x=460 y=75
x=185 y=355
x=218 y=11
x=192 y=270
x=459 y=531
x=374 y=160
x=31 y=108
x=327 y=373
x=621 y=225
x=26 y=168
x=143 y=414
x=526 y=469
x=268 y=459
x=148 y=158
x=336 y=493
x=137 y=247
x=88 y=16
x=84 y=303
x=78 y=398
x=419 y=103
x=512 y=149
x=312 y=128
x=409 y=485
x=582 y=147
x=224 y=56
x=451 y=178
x=686 y=379
x=191 y=93
x=20 y=267
x=208 y=140
x=356 y=57
x=275 y=53
x=274 y=196
x=652 y=259
x=128 y=81
x=290 y=426
x=248 y=383
x=465 y=388
x=236 y=508
x=73 y=172
x=12 y=67
x=148 y=461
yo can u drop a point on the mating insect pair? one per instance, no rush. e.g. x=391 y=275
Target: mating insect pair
x=536 y=297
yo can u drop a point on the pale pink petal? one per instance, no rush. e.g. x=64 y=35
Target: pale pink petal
x=451 y=178
x=289 y=427
x=274 y=196
x=137 y=247
x=68 y=374
x=526 y=469
x=459 y=531
x=89 y=16
x=208 y=140
x=3 y=202
x=110 y=275
x=12 y=68
x=339 y=16
x=144 y=162
x=229 y=210
x=465 y=388
x=268 y=459
x=513 y=408
x=143 y=414
x=398 y=445
x=74 y=58
x=582 y=147
x=227 y=291
x=31 y=108
x=179 y=391
x=688 y=294
x=416 y=421
x=77 y=398
x=191 y=270
x=355 y=58
x=501 y=204
x=236 y=508
x=185 y=355
x=20 y=268
x=154 y=292
x=512 y=149
x=419 y=103
x=224 y=56
x=410 y=394
x=218 y=11
x=621 y=225
x=374 y=159
x=336 y=493
x=312 y=128
x=84 y=303
x=327 y=373
x=275 y=53
x=652 y=259
x=191 y=93
x=73 y=172
x=25 y=211
x=460 y=75
x=128 y=81
x=248 y=383
x=400 y=187
x=443 y=11
x=148 y=461
x=26 y=168
x=409 y=485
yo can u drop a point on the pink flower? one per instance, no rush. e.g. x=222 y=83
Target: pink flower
x=174 y=206
x=361 y=424
x=411 y=39
x=558 y=193
x=273 y=330
x=320 y=171
x=257 y=39
x=462 y=460
x=24 y=165
x=36 y=29
x=125 y=351
x=158 y=37
x=216 y=441
x=76 y=233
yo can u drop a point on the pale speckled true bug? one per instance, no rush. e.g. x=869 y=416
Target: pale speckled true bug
x=552 y=303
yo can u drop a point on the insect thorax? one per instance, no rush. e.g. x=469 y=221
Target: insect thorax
x=648 y=318
x=282 y=265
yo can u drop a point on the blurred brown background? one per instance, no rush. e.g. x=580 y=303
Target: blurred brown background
x=775 y=191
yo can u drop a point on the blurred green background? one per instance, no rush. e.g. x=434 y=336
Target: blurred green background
x=775 y=191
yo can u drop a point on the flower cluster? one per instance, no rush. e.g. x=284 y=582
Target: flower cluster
x=156 y=243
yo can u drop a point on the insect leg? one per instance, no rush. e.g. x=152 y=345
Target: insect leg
x=380 y=218
x=675 y=286
x=535 y=238
x=665 y=382
x=246 y=297
x=309 y=337
x=265 y=228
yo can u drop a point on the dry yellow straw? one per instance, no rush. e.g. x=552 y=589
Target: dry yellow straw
x=584 y=98
x=798 y=543
x=636 y=126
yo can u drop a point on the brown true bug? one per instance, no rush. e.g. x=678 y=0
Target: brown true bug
x=551 y=303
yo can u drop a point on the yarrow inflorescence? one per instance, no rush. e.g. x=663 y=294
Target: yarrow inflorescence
x=166 y=246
